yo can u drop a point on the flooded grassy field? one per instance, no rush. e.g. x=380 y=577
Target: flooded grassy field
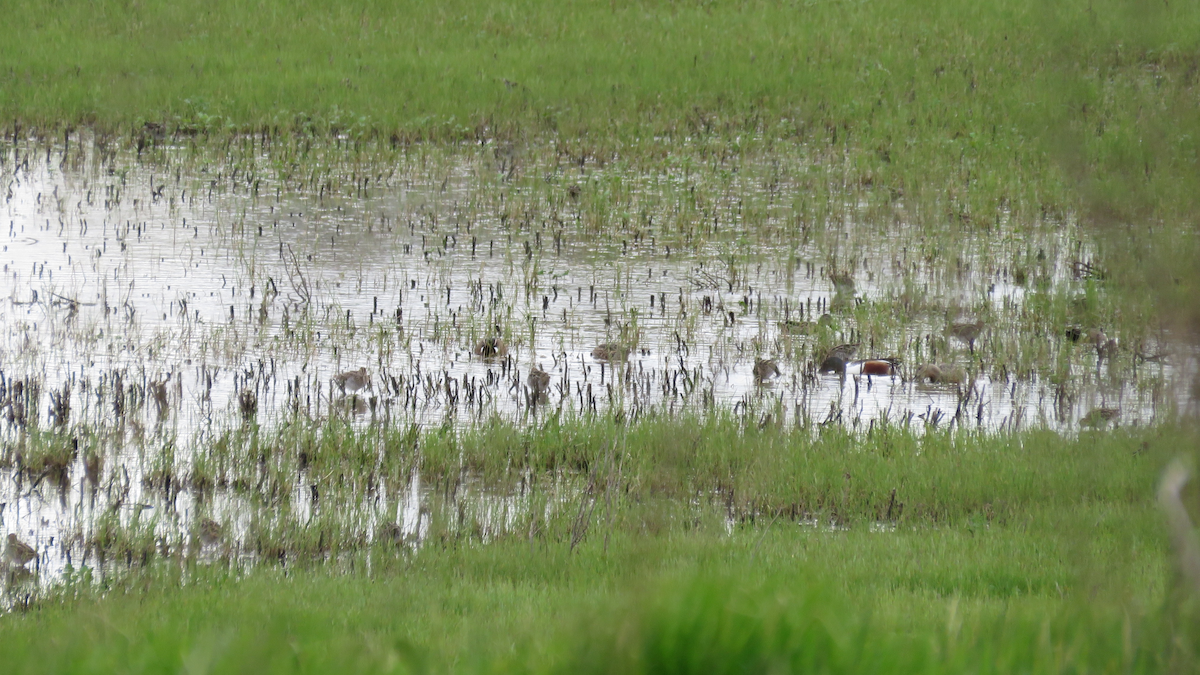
x=172 y=315
x=624 y=337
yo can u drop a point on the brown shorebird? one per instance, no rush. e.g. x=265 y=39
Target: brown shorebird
x=843 y=284
x=610 y=351
x=796 y=327
x=91 y=467
x=538 y=380
x=967 y=332
x=1099 y=417
x=18 y=552
x=765 y=369
x=1106 y=347
x=352 y=380
x=491 y=347
x=836 y=358
x=941 y=374
x=248 y=404
x=211 y=531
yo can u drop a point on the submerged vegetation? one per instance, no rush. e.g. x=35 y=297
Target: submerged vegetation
x=570 y=337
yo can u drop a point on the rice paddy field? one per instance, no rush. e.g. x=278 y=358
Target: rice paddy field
x=839 y=337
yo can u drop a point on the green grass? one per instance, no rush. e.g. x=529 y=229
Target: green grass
x=1041 y=598
x=1028 y=551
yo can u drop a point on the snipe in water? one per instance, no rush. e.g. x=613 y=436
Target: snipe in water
x=765 y=369
x=18 y=552
x=352 y=380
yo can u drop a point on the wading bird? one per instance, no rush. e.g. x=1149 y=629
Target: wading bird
x=765 y=369
x=18 y=552
x=211 y=531
x=967 y=332
x=610 y=351
x=835 y=359
x=538 y=380
x=491 y=347
x=352 y=380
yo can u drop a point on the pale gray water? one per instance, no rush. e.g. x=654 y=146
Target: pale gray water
x=212 y=279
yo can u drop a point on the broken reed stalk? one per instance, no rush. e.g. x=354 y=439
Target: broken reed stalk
x=1183 y=536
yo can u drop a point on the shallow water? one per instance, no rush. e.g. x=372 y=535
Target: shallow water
x=166 y=301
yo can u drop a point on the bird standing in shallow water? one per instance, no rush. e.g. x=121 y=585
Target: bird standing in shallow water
x=352 y=380
x=836 y=358
x=967 y=332
x=843 y=284
x=538 y=380
x=211 y=531
x=1099 y=417
x=18 y=552
x=764 y=369
x=491 y=347
x=610 y=351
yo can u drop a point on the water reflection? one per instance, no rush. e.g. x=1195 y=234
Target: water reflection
x=155 y=304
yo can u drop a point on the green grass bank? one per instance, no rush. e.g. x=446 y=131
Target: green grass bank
x=1027 y=553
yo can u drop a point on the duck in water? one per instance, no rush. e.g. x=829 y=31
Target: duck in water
x=941 y=374
x=884 y=367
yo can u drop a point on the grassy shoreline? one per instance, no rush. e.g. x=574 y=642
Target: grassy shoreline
x=919 y=601
x=1047 y=556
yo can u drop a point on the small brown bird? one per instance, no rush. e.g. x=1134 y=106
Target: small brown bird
x=842 y=283
x=18 y=552
x=835 y=359
x=352 y=380
x=796 y=327
x=1106 y=347
x=491 y=347
x=538 y=380
x=765 y=369
x=211 y=531
x=967 y=332
x=91 y=467
x=610 y=351
x=248 y=404
x=1099 y=417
